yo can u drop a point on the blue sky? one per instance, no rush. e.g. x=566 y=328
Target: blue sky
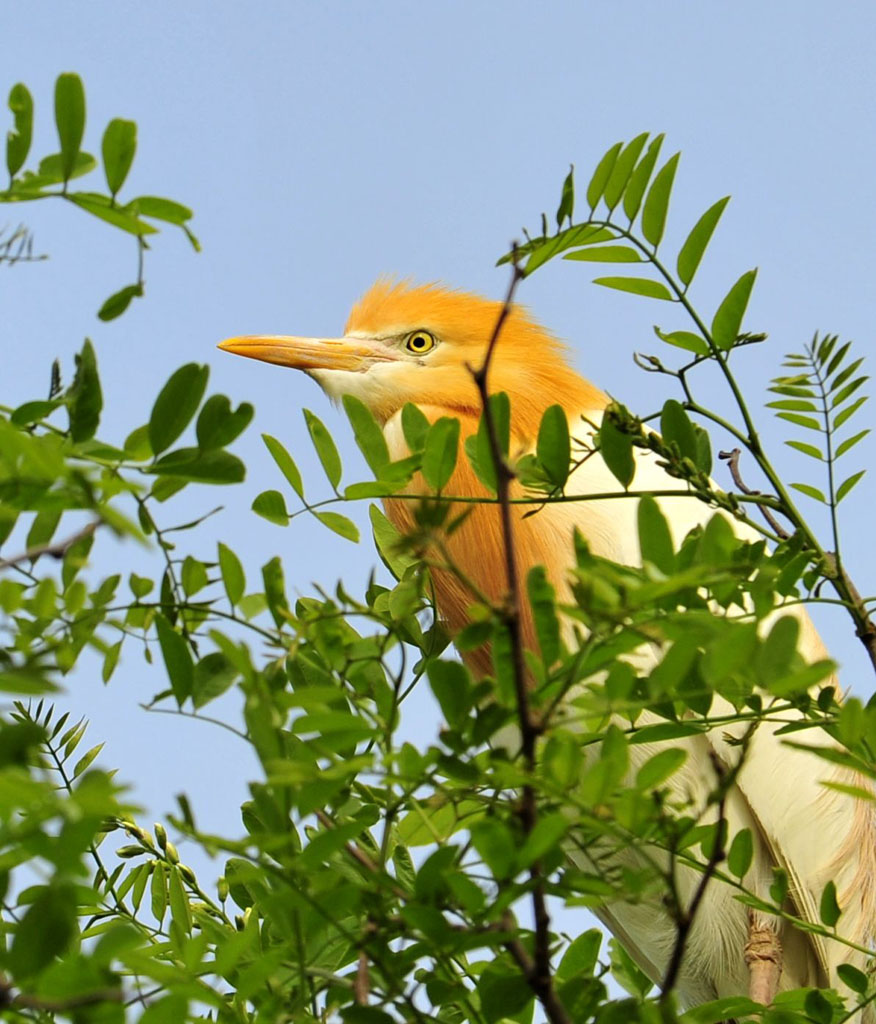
x=322 y=144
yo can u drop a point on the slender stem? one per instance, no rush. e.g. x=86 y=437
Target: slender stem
x=537 y=971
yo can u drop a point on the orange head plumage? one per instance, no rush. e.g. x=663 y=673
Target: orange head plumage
x=416 y=343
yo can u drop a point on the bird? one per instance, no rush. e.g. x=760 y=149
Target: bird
x=417 y=343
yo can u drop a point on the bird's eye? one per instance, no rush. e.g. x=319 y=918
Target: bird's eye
x=420 y=342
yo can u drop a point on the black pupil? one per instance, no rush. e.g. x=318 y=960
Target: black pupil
x=419 y=341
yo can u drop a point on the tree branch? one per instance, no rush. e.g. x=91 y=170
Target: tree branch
x=538 y=970
x=57 y=550
x=732 y=460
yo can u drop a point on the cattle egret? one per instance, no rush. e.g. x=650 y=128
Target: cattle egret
x=405 y=343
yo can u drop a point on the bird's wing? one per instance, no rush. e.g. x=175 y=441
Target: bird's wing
x=815 y=833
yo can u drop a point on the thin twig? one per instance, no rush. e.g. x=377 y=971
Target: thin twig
x=62 y=1005
x=732 y=460
x=686 y=918
x=538 y=970
x=359 y=855
x=56 y=550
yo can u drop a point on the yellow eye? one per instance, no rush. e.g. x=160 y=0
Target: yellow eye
x=419 y=342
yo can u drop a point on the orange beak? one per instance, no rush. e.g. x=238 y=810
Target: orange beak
x=311 y=353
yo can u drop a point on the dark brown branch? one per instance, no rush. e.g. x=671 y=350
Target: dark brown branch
x=359 y=855
x=732 y=460
x=538 y=970
x=685 y=918
x=56 y=550
x=61 y=1005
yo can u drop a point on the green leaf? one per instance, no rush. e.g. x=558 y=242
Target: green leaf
x=415 y=426
x=677 y=428
x=777 y=650
x=810 y=492
x=542 y=250
x=545 y=837
x=495 y=845
x=32 y=412
x=657 y=202
x=18 y=140
x=851 y=976
x=801 y=421
x=794 y=404
x=440 y=452
x=717 y=1010
x=658 y=768
x=69 y=118
x=51 y=170
x=110 y=661
x=829 y=910
x=285 y=462
x=847 y=485
x=232 y=573
x=86 y=760
x=340 y=525
x=387 y=541
x=581 y=955
x=637 y=285
x=622 y=169
x=627 y=972
x=43 y=528
x=120 y=217
x=567 y=200
x=691 y=252
x=118 y=148
x=366 y=430
x=477 y=447
x=686 y=340
x=825 y=350
x=158 y=891
x=452 y=686
x=655 y=538
x=741 y=853
x=210 y=467
x=616 y=449
x=844 y=374
x=554 y=448
x=561 y=760
x=275 y=589
x=542 y=599
x=601 y=175
x=161 y=209
x=849 y=411
x=504 y=995
x=807 y=449
x=45 y=931
x=728 y=319
x=271 y=506
x=177 y=659
x=217 y=425
x=119 y=301
x=850 y=442
x=214 y=674
x=639 y=179
x=84 y=397
x=847 y=391
x=605 y=254
x=325 y=447
x=176 y=404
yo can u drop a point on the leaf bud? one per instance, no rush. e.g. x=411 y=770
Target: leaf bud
x=170 y=851
x=129 y=851
x=187 y=873
x=161 y=836
x=222 y=889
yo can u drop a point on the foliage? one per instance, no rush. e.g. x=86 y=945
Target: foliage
x=372 y=881
x=54 y=173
